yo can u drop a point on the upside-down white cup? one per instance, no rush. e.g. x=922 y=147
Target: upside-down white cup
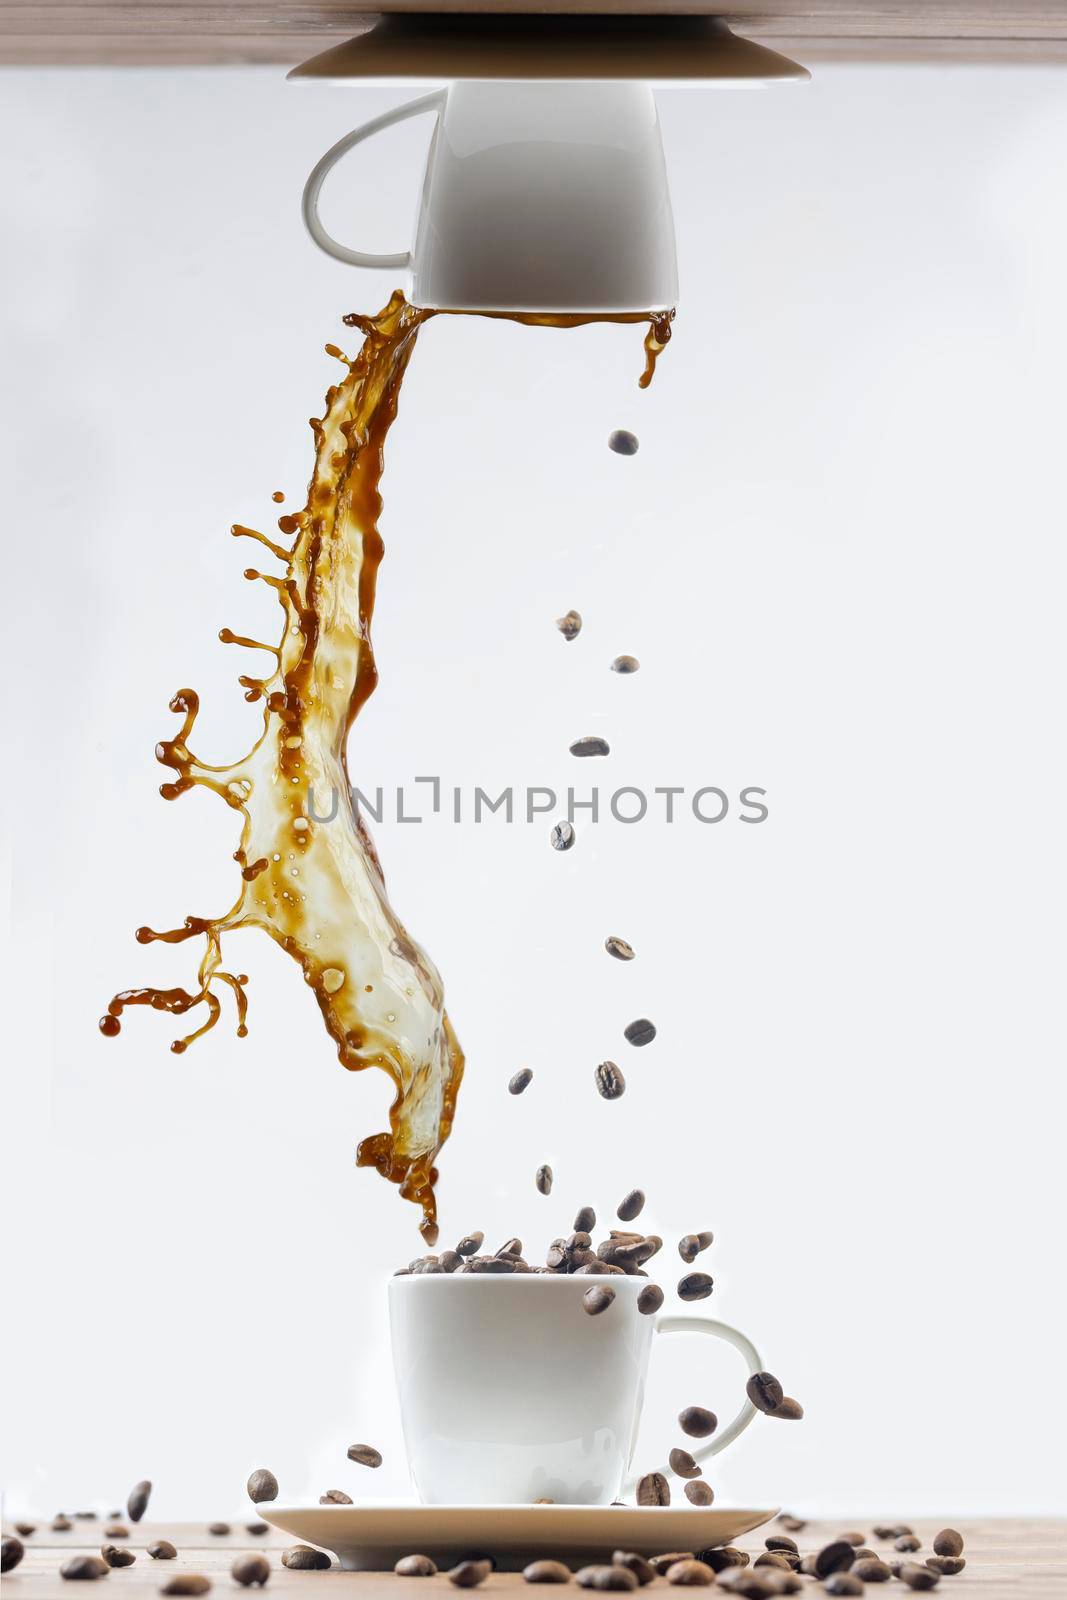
x=536 y=197
x=510 y=1392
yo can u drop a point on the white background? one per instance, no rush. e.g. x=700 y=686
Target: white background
x=840 y=558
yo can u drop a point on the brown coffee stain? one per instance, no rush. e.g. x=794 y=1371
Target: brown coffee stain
x=315 y=885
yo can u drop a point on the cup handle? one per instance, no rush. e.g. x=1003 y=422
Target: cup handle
x=717 y=1330
x=312 y=220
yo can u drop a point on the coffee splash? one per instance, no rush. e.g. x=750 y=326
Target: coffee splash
x=316 y=887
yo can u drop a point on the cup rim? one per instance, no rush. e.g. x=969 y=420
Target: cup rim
x=584 y=1280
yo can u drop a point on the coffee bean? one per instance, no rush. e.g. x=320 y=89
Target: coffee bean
x=632 y=1206
x=697 y=1422
x=790 y=1410
x=256 y=1529
x=854 y=1539
x=690 y=1573
x=590 y=745
x=900 y=1530
x=661 y=1563
x=468 y=1246
x=491 y=1264
x=116 y=1530
x=864 y=1551
x=948 y=1566
x=682 y=1464
x=625 y=665
x=25 y=1530
x=116 y=1557
x=598 y=1299
x=187 y=1583
x=948 y=1543
x=162 y=1550
x=249 y=1570
x=450 y=1260
x=807 y=1565
x=699 y=1493
x=469 y=1574
x=219 y=1529
x=650 y=1299
x=753 y=1585
x=546 y=1572
x=653 y=1490
x=365 y=1454
x=764 y=1391
x=516 y=1084
x=562 y=836
x=834 y=1557
x=623 y=442
x=843 y=1583
x=569 y=625
x=869 y=1569
x=779 y=1541
x=640 y=1032
x=793 y=1524
x=415 y=1567
x=642 y=1570
x=907 y=1542
x=693 y=1243
x=61 y=1524
x=262 y=1485
x=137 y=1504
x=695 y=1286
x=335 y=1497
x=609 y=1081
x=510 y=1250
x=917 y=1577
x=775 y=1558
x=882 y=1531
x=619 y=949
x=722 y=1557
x=84 y=1567
x=543 y=1180
x=11 y=1553
x=304 y=1558
x=585 y=1221
x=606 y=1578
x=85 y=1516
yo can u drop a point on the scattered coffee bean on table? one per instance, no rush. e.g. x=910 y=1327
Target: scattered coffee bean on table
x=625 y=664
x=948 y=1543
x=854 y=1539
x=765 y=1392
x=699 y=1493
x=619 y=948
x=753 y=1585
x=779 y=1541
x=722 y=1557
x=609 y=1081
x=650 y=1299
x=639 y=1032
x=61 y=1524
x=900 y=1530
x=262 y=1485
x=115 y=1556
x=365 y=1454
x=469 y=1574
x=219 y=1529
x=632 y=1206
x=834 y=1557
x=907 y=1543
x=546 y=1572
x=585 y=1221
x=642 y=1570
x=697 y=1422
x=660 y=1564
x=305 y=1558
x=569 y=625
x=11 y=1553
x=682 y=1464
x=653 y=1490
x=249 y=1570
x=948 y=1566
x=162 y=1550
x=516 y=1084
x=623 y=442
x=870 y=1569
x=335 y=1497
x=543 y=1179
x=415 y=1567
x=779 y=1559
x=84 y=1568
x=116 y=1530
x=917 y=1577
x=137 y=1504
x=692 y=1244
x=562 y=836
x=695 y=1286
x=25 y=1530
x=843 y=1583
x=793 y=1524
x=187 y=1583
x=598 y=1299
x=606 y=1578
x=590 y=745
x=256 y=1529
x=690 y=1573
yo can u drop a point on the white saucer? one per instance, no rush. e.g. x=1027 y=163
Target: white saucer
x=374 y=1537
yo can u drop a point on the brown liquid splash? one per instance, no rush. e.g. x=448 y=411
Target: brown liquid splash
x=316 y=887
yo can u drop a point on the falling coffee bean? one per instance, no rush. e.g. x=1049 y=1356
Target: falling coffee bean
x=790 y=1410
x=699 y=1493
x=697 y=1422
x=562 y=836
x=137 y=1504
x=415 y=1567
x=765 y=1392
x=519 y=1081
x=907 y=1543
x=469 y=1574
x=219 y=1529
x=625 y=664
x=948 y=1543
x=546 y=1572
x=598 y=1299
x=606 y=1578
x=692 y=1244
x=466 y=1247
x=917 y=1577
x=249 y=1570
x=642 y=1570
x=116 y=1530
x=609 y=1081
x=569 y=625
x=690 y=1573
x=162 y=1550
x=543 y=1179
x=365 y=1454
x=11 y=1553
x=948 y=1566
x=632 y=1206
x=837 y=1556
x=695 y=1286
x=843 y=1583
x=650 y=1299
x=869 y=1569
x=585 y=1221
x=305 y=1558
x=623 y=442
x=117 y=1557
x=653 y=1490
x=187 y=1583
x=262 y=1485
x=335 y=1497
x=619 y=949
x=590 y=745
x=84 y=1568
x=682 y=1464
x=640 y=1032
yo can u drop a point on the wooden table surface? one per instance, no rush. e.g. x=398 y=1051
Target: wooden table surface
x=1007 y=1559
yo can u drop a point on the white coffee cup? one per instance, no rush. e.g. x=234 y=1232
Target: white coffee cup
x=536 y=197
x=510 y=1392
